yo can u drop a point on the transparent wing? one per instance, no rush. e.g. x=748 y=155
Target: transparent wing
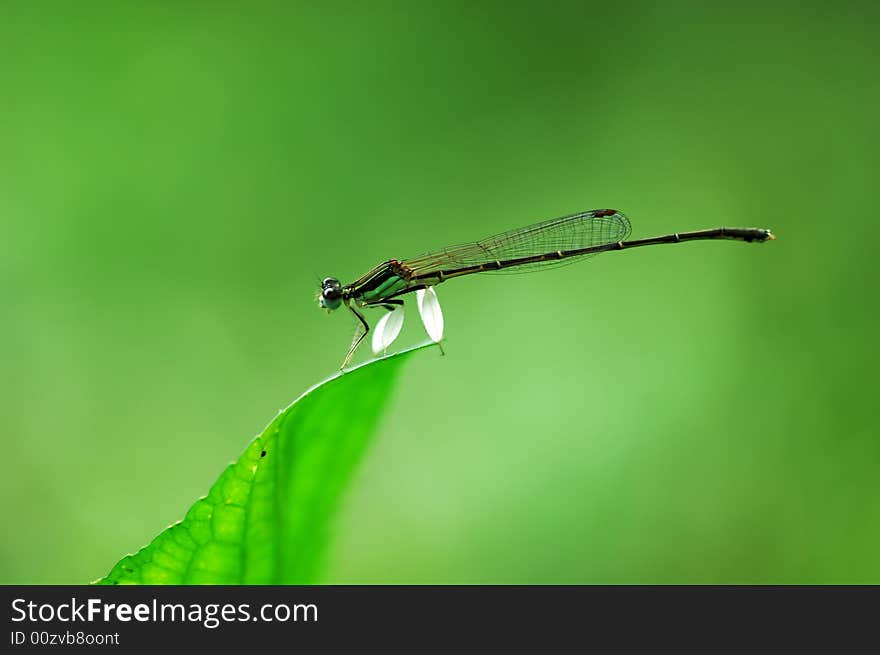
x=584 y=230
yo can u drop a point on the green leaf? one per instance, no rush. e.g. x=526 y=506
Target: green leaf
x=266 y=518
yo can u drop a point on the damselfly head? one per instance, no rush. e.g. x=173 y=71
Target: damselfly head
x=331 y=293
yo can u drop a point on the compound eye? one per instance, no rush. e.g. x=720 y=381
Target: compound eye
x=330 y=282
x=331 y=297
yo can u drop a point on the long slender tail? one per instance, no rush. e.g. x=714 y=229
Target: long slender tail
x=747 y=234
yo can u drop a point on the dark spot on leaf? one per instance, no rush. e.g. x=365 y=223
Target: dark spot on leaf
x=263 y=454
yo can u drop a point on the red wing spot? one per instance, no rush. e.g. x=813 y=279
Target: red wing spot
x=601 y=213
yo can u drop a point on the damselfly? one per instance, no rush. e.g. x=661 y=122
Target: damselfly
x=543 y=245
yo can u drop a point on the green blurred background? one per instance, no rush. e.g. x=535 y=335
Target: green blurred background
x=174 y=177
